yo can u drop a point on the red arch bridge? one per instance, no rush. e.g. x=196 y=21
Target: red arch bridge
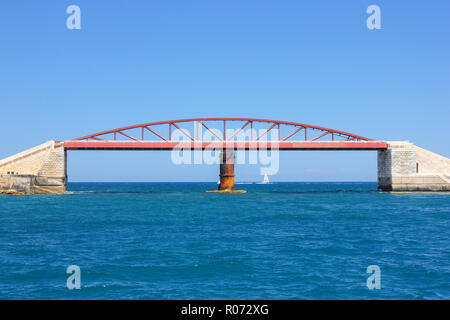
x=402 y=166
x=226 y=134
x=223 y=133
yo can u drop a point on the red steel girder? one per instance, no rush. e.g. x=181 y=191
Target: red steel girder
x=185 y=133
x=154 y=133
x=236 y=145
x=207 y=128
x=239 y=130
x=318 y=137
x=299 y=129
x=124 y=134
x=262 y=134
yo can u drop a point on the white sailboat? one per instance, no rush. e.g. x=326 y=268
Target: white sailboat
x=266 y=179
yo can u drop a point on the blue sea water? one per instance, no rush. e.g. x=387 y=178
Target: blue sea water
x=174 y=241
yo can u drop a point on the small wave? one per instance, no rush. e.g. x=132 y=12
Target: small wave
x=81 y=192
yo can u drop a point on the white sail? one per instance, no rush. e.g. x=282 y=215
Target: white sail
x=266 y=179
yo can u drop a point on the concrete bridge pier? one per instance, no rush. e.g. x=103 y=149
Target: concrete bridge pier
x=404 y=167
x=39 y=170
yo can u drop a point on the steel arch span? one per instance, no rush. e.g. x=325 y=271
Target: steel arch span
x=235 y=133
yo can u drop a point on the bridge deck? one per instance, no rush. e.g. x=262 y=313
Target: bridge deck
x=283 y=145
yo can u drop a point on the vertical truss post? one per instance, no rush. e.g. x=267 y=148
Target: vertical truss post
x=279 y=137
x=196 y=125
x=224 y=129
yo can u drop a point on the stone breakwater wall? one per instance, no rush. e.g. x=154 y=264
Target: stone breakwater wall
x=407 y=167
x=39 y=170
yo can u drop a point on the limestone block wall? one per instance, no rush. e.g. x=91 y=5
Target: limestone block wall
x=41 y=169
x=430 y=162
x=406 y=167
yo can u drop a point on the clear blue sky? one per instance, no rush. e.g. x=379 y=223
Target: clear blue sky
x=313 y=62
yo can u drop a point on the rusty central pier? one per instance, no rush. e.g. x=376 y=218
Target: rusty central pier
x=226 y=170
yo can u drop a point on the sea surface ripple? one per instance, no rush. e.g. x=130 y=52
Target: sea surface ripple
x=174 y=241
